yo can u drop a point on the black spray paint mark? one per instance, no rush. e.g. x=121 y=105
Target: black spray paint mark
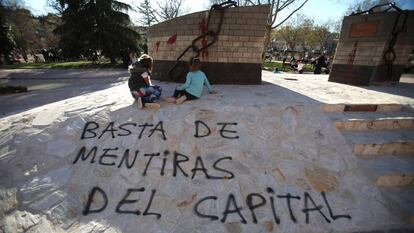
x=252 y=206
x=223 y=130
x=318 y=208
x=288 y=198
x=91 y=195
x=231 y=201
x=125 y=201
x=202 y=215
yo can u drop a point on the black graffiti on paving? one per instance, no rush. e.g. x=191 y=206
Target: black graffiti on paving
x=254 y=201
x=110 y=157
x=257 y=200
x=121 y=204
x=93 y=130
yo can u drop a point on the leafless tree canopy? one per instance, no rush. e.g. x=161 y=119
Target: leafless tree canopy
x=276 y=5
x=169 y=9
x=363 y=5
x=303 y=34
x=148 y=14
x=159 y=10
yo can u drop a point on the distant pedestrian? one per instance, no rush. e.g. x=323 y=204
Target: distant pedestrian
x=320 y=62
x=293 y=63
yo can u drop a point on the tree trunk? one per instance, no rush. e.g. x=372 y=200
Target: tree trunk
x=113 y=60
x=266 y=41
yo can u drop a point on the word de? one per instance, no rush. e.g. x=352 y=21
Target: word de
x=121 y=207
x=224 y=131
x=257 y=200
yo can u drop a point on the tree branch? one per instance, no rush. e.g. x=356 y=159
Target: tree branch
x=290 y=14
x=250 y=2
x=274 y=16
x=287 y=3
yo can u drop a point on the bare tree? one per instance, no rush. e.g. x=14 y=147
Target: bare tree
x=296 y=33
x=147 y=12
x=276 y=6
x=320 y=35
x=303 y=32
x=56 y=6
x=363 y=5
x=169 y=9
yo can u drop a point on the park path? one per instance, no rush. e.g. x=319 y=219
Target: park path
x=52 y=85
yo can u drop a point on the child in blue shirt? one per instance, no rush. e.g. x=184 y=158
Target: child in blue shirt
x=193 y=86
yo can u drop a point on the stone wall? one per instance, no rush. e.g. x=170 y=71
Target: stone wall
x=362 y=43
x=234 y=59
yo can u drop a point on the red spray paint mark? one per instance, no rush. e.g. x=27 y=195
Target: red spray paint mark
x=203 y=26
x=172 y=39
x=157 y=45
x=351 y=57
x=204 y=41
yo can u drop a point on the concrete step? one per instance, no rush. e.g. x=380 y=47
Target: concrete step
x=360 y=121
x=400 y=202
x=381 y=142
x=389 y=170
x=361 y=107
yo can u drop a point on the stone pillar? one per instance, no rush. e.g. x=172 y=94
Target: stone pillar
x=235 y=58
x=363 y=41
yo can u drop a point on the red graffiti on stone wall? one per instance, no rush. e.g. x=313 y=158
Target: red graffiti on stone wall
x=157 y=45
x=204 y=41
x=203 y=26
x=172 y=39
x=351 y=56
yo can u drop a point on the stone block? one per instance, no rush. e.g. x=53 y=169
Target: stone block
x=321 y=179
x=332 y=107
x=243 y=38
x=400 y=179
x=392 y=148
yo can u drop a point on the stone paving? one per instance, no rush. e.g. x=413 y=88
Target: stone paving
x=260 y=158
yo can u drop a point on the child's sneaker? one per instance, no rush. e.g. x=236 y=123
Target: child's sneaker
x=139 y=103
x=152 y=105
x=171 y=99
x=181 y=99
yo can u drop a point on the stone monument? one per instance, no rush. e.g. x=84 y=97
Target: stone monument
x=234 y=58
x=373 y=47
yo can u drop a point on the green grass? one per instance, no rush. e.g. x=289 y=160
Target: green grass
x=64 y=65
x=409 y=70
x=278 y=64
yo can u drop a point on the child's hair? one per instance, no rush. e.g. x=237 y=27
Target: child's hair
x=145 y=60
x=195 y=60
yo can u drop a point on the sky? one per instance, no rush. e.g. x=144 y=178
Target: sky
x=321 y=11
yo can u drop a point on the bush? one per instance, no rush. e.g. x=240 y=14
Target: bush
x=12 y=89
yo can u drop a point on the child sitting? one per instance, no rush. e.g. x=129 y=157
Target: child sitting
x=140 y=84
x=300 y=66
x=193 y=86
